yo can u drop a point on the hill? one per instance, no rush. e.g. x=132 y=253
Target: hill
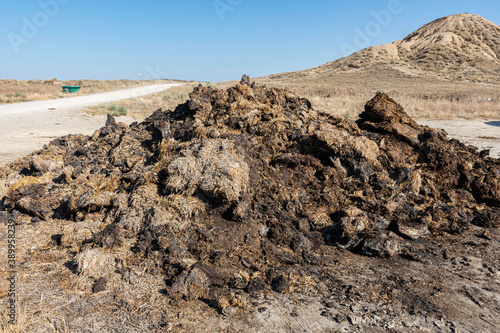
x=462 y=46
x=440 y=70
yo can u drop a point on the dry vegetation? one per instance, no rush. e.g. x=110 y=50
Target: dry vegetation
x=21 y=323
x=15 y=91
x=141 y=107
x=439 y=71
x=345 y=93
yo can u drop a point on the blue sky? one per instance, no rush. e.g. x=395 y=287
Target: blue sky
x=205 y=40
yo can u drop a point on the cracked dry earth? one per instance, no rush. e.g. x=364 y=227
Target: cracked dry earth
x=245 y=210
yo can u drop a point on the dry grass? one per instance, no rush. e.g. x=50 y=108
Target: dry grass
x=345 y=93
x=436 y=105
x=15 y=91
x=22 y=321
x=52 y=298
x=212 y=166
x=96 y=263
x=141 y=107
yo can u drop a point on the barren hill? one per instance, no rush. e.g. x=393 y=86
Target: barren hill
x=462 y=46
x=448 y=68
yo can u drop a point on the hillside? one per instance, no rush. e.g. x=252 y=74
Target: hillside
x=438 y=71
x=462 y=46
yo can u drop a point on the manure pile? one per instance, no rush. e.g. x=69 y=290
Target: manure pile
x=244 y=190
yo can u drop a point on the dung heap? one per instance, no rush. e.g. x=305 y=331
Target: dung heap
x=246 y=189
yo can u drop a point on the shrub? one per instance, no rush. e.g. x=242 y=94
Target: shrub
x=16 y=95
x=117 y=111
x=122 y=111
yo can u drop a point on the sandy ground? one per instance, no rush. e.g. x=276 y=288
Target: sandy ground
x=26 y=127
x=484 y=134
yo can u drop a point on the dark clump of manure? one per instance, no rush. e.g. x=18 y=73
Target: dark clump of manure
x=246 y=190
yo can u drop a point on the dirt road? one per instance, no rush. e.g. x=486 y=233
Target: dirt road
x=26 y=127
x=484 y=134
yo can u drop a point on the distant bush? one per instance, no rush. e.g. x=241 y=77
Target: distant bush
x=15 y=95
x=122 y=111
x=117 y=111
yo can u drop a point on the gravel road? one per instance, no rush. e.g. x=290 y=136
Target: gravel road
x=26 y=127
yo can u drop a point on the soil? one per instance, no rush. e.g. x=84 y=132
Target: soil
x=247 y=210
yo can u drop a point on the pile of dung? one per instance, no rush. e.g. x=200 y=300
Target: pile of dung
x=245 y=189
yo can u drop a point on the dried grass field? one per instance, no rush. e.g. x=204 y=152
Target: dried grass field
x=142 y=107
x=15 y=91
x=345 y=93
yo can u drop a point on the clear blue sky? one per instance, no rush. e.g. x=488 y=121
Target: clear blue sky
x=203 y=40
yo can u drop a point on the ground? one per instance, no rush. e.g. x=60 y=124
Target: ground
x=485 y=134
x=37 y=123
x=15 y=91
x=247 y=210
x=452 y=284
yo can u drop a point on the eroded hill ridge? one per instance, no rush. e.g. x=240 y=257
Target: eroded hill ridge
x=462 y=46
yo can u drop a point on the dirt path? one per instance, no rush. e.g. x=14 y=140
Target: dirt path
x=26 y=127
x=484 y=134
